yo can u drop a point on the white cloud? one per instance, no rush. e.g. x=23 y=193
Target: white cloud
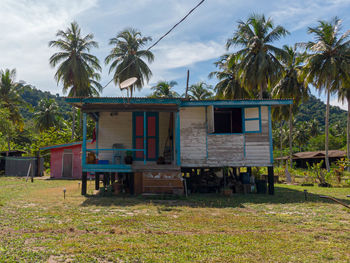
x=299 y=14
x=182 y=54
x=335 y=102
x=27 y=27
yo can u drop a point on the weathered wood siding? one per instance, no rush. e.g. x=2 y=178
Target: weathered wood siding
x=223 y=150
x=202 y=149
x=258 y=144
x=193 y=132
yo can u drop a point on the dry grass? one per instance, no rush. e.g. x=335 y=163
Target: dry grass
x=38 y=225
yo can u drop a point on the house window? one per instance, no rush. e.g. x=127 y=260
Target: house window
x=228 y=120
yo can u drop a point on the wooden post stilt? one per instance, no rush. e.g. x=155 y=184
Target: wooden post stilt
x=97 y=181
x=270 y=179
x=83 y=183
x=112 y=178
x=249 y=170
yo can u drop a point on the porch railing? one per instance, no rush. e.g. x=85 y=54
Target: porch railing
x=97 y=150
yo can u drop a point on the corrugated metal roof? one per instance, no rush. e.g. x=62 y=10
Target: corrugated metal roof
x=182 y=99
x=62 y=145
x=178 y=101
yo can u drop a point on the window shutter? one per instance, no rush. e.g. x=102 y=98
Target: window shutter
x=252 y=121
x=210 y=119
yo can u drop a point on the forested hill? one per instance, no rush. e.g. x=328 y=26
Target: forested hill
x=314 y=108
x=32 y=96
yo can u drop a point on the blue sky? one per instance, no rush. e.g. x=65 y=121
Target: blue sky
x=28 y=25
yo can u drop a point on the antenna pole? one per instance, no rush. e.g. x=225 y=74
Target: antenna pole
x=188 y=78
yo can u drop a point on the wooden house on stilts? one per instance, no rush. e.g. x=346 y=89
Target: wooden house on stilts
x=166 y=137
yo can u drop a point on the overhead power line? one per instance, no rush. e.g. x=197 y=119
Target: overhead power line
x=163 y=36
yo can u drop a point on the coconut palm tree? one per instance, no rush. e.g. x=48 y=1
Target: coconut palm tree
x=76 y=66
x=7 y=127
x=301 y=135
x=313 y=126
x=46 y=115
x=327 y=65
x=163 y=89
x=258 y=66
x=291 y=85
x=200 y=91
x=127 y=58
x=229 y=86
x=344 y=95
x=9 y=96
x=280 y=114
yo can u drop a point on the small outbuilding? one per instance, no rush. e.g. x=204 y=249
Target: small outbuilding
x=65 y=160
x=4 y=154
x=302 y=158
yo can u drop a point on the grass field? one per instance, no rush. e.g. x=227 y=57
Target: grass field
x=38 y=225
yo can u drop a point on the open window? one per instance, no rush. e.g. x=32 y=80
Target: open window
x=228 y=120
x=233 y=120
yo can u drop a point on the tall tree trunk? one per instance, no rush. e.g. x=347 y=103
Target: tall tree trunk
x=261 y=91
x=9 y=144
x=290 y=135
x=80 y=124
x=281 y=143
x=327 y=131
x=73 y=112
x=73 y=120
x=348 y=134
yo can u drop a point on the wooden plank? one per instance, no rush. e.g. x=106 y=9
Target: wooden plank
x=138 y=183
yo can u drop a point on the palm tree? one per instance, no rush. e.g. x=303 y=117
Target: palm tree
x=280 y=114
x=327 y=65
x=76 y=66
x=258 y=64
x=291 y=85
x=313 y=126
x=163 y=89
x=9 y=96
x=94 y=90
x=46 y=115
x=126 y=58
x=344 y=94
x=301 y=135
x=7 y=127
x=200 y=91
x=229 y=86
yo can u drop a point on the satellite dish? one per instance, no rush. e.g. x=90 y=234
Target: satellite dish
x=127 y=83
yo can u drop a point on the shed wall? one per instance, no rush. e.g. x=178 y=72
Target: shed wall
x=56 y=161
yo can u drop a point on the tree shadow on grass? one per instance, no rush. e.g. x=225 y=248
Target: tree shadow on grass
x=283 y=195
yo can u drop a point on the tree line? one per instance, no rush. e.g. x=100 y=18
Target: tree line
x=258 y=69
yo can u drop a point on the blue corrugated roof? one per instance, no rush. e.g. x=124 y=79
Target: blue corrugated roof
x=179 y=101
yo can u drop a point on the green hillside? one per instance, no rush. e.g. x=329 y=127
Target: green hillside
x=32 y=96
x=314 y=108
